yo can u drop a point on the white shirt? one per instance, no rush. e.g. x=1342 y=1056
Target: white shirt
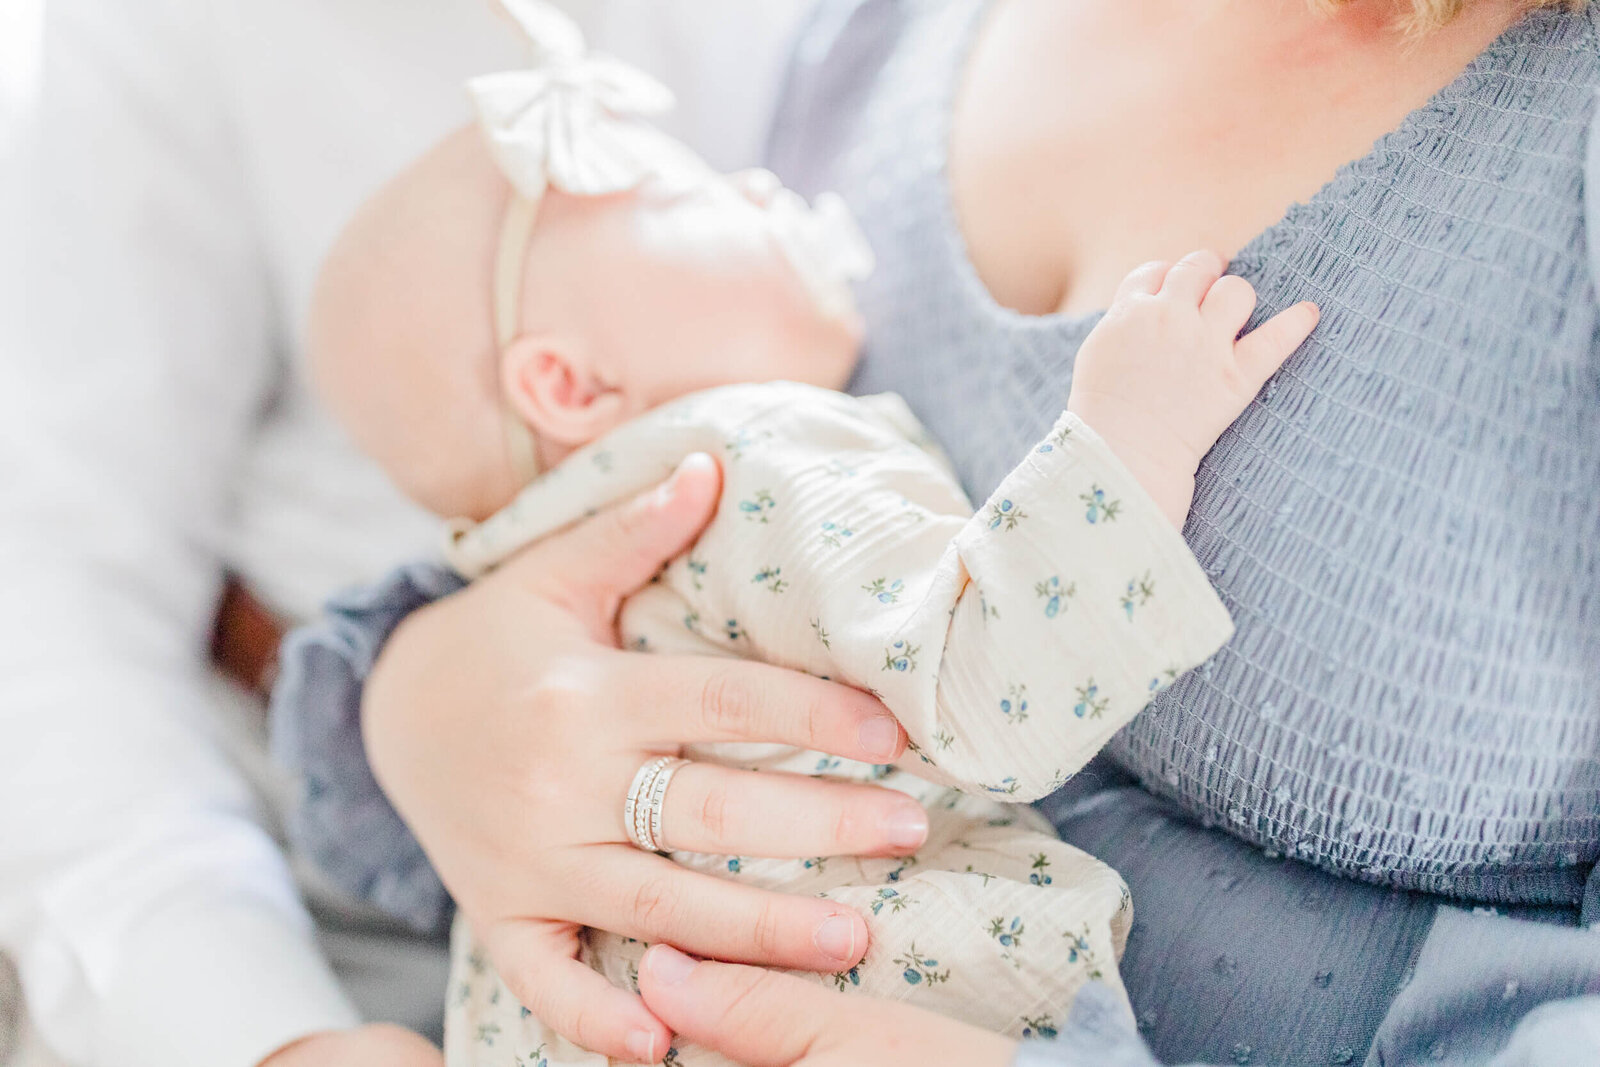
x=182 y=167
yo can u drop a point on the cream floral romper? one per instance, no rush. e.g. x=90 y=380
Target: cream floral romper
x=1011 y=644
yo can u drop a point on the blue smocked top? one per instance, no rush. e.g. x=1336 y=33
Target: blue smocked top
x=1405 y=524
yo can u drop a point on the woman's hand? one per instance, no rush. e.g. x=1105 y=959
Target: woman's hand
x=506 y=728
x=766 y=1019
x=377 y=1045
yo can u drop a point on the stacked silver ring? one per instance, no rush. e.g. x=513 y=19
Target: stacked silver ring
x=641 y=812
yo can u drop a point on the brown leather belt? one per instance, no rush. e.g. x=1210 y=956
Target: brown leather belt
x=245 y=638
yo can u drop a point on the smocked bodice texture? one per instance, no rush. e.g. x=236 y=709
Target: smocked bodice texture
x=1405 y=524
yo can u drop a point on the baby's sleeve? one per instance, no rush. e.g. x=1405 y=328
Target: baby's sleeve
x=1063 y=606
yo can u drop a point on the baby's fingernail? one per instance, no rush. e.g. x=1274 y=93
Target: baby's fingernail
x=879 y=737
x=907 y=829
x=642 y=1047
x=836 y=938
x=671 y=967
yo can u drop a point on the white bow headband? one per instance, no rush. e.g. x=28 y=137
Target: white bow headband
x=571 y=121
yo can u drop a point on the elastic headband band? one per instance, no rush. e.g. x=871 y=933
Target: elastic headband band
x=516 y=232
x=569 y=122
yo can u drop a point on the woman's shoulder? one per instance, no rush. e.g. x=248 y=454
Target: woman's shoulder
x=1546 y=104
x=1578 y=88
x=1494 y=177
x=839 y=58
x=1545 y=68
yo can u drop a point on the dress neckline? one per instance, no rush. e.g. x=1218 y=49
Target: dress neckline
x=1406 y=134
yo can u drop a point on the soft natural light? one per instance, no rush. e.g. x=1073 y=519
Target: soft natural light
x=20 y=25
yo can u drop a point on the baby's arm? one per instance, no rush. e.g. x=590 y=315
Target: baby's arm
x=1165 y=372
x=1071 y=598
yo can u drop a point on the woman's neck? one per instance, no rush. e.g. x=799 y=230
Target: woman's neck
x=1381 y=32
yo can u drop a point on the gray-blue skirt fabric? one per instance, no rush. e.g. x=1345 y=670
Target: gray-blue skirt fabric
x=1405 y=526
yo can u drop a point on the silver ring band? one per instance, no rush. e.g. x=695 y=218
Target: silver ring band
x=641 y=812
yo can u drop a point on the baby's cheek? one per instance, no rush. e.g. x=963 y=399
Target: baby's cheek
x=841 y=351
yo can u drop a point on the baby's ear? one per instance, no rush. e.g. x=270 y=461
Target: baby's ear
x=551 y=387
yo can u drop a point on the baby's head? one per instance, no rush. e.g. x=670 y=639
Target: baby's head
x=690 y=280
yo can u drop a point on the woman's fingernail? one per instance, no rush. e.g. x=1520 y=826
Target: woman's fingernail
x=669 y=488
x=908 y=828
x=669 y=965
x=879 y=737
x=836 y=938
x=642 y=1047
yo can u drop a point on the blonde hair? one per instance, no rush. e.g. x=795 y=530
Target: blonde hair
x=1431 y=14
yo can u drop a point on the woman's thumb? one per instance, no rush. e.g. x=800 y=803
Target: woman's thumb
x=622 y=548
x=756 y=1017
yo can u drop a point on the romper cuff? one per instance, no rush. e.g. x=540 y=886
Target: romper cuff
x=1190 y=622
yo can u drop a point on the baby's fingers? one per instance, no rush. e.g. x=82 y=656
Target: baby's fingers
x=1192 y=276
x=1229 y=303
x=1143 y=280
x=1263 y=350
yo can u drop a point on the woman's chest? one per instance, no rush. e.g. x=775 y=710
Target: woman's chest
x=1405 y=525
x=1450 y=260
x=1419 y=477
x=1088 y=138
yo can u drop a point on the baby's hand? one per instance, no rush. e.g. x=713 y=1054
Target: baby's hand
x=1165 y=372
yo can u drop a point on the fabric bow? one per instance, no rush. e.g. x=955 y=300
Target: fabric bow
x=569 y=121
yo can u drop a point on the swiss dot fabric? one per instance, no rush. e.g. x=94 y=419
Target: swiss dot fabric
x=1405 y=525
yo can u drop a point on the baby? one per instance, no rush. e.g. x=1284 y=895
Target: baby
x=644 y=308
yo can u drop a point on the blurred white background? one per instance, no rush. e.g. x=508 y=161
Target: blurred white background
x=726 y=108
x=20 y=23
